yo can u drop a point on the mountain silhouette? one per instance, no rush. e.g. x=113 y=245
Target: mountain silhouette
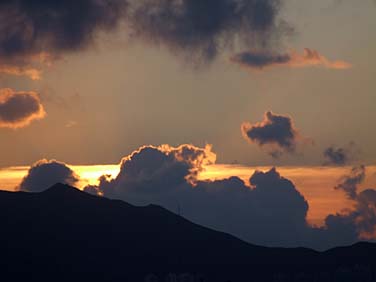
x=64 y=234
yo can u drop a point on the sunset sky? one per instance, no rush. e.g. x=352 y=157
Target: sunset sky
x=292 y=86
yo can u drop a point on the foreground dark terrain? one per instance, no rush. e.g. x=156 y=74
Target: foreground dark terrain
x=63 y=234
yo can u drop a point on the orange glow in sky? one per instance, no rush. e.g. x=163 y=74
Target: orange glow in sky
x=315 y=183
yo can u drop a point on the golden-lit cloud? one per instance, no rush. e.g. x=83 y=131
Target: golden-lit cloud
x=293 y=59
x=313 y=58
x=19 y=109
x=32 y=73
x=28 y=66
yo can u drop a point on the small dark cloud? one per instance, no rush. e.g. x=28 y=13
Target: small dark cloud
x=274 y=130
x=44 y=174
x=335 y=155
x=260 y=60
x=309 y=58
x=19 y=109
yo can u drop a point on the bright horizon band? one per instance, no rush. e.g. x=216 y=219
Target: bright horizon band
x=315 y=183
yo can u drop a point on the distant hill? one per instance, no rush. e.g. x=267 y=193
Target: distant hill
x=64 y=234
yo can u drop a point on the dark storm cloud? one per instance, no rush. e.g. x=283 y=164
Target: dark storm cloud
x=200 y=29
x=18 y=109
x=31 y=27
x=275 y=130
x=44 y=174
x=203 y=28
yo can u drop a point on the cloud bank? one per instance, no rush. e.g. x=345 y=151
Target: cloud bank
x=19 y=109
x=276 y=131
x=266 y=210
x=167 y=176
x=309 y=58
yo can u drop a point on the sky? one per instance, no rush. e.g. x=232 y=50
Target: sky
x=266 y=83
x=315 y=183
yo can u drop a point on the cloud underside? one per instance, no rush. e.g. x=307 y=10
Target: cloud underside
x=268 y=210
x=28 y=31
x=183 y=27
x=266 y=60
x=71 y=25
x=19 y=109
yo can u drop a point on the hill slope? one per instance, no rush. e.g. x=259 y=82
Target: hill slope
x=63 y=234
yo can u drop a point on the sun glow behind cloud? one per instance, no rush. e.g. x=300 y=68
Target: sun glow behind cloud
x=315 y=183
x=89 y=174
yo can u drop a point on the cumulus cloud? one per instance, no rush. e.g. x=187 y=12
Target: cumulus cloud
x=166 y=176
x=309 y=58
x=275 y=131
x=157 y=169
x=19 y=109
x=267 y=210
x=44 y=174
